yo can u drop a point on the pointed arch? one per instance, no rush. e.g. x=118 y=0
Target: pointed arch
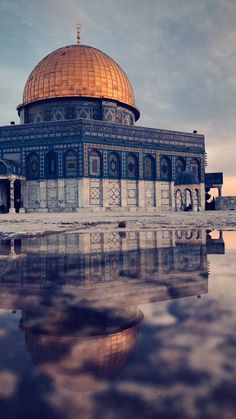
x=95 y=163
x=32 y=166
x=51 y=164
x=132 y=171
x=195 y=168
x=188 y=200
x=70 y=163
x=180 y=165
x=114 y=165
x=149 y=167
x=165 y=168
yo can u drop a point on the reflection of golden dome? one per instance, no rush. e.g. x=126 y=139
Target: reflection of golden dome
x=82 y=364
x=81 y=348
x=75 y=71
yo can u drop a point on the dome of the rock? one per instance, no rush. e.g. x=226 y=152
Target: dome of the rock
x=78 y=71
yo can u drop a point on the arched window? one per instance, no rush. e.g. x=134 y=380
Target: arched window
x=194 y=167
x=188 y=234
x=165 y=169
x=70 y=164
x=32 y=166
x=179 y=234
x=178 y=200
x=132 y=167
x=95 y=166
x=51 y=164
x=149 y=167
x=114 y=165
x=179 y=165
x=188 y=200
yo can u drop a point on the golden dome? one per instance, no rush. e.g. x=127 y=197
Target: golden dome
x=78 y=70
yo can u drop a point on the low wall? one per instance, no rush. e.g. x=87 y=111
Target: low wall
x=225 y=203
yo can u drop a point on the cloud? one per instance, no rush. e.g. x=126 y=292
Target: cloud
x=180 y=56
x=8 y=384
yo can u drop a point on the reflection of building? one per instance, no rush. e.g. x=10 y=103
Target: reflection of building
x=146 y=265
x=216 y=245
x=79 y=295
x=77 y=146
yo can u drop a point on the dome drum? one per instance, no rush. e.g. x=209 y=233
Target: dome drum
x=61 y=109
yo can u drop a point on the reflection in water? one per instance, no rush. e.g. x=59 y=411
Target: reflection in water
x=79 y=295
x=76 y=349
x=98 y=260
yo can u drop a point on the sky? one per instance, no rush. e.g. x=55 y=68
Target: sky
x=180 y=56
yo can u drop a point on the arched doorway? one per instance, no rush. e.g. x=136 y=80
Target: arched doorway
x=17 y=195
x=4 y=195
x=10 y=195
x=188 y=200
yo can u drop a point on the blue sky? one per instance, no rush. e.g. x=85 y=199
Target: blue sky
x=180 y=56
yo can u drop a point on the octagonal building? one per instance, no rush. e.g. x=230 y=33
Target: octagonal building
x=77 y=145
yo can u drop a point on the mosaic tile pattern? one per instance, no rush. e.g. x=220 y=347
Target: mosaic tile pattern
x=95 y=192
x=149 y=194
x=114 y=193
x=114 y=241
x=96 y=242
x=132 y=193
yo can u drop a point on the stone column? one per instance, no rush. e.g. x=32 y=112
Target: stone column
x=22 y=195
x=12 y=196
x=26 y=195
x=202 y=197
x=172 y=195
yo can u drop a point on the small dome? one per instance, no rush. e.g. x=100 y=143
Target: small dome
x=79 y=71
x=186 y=178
